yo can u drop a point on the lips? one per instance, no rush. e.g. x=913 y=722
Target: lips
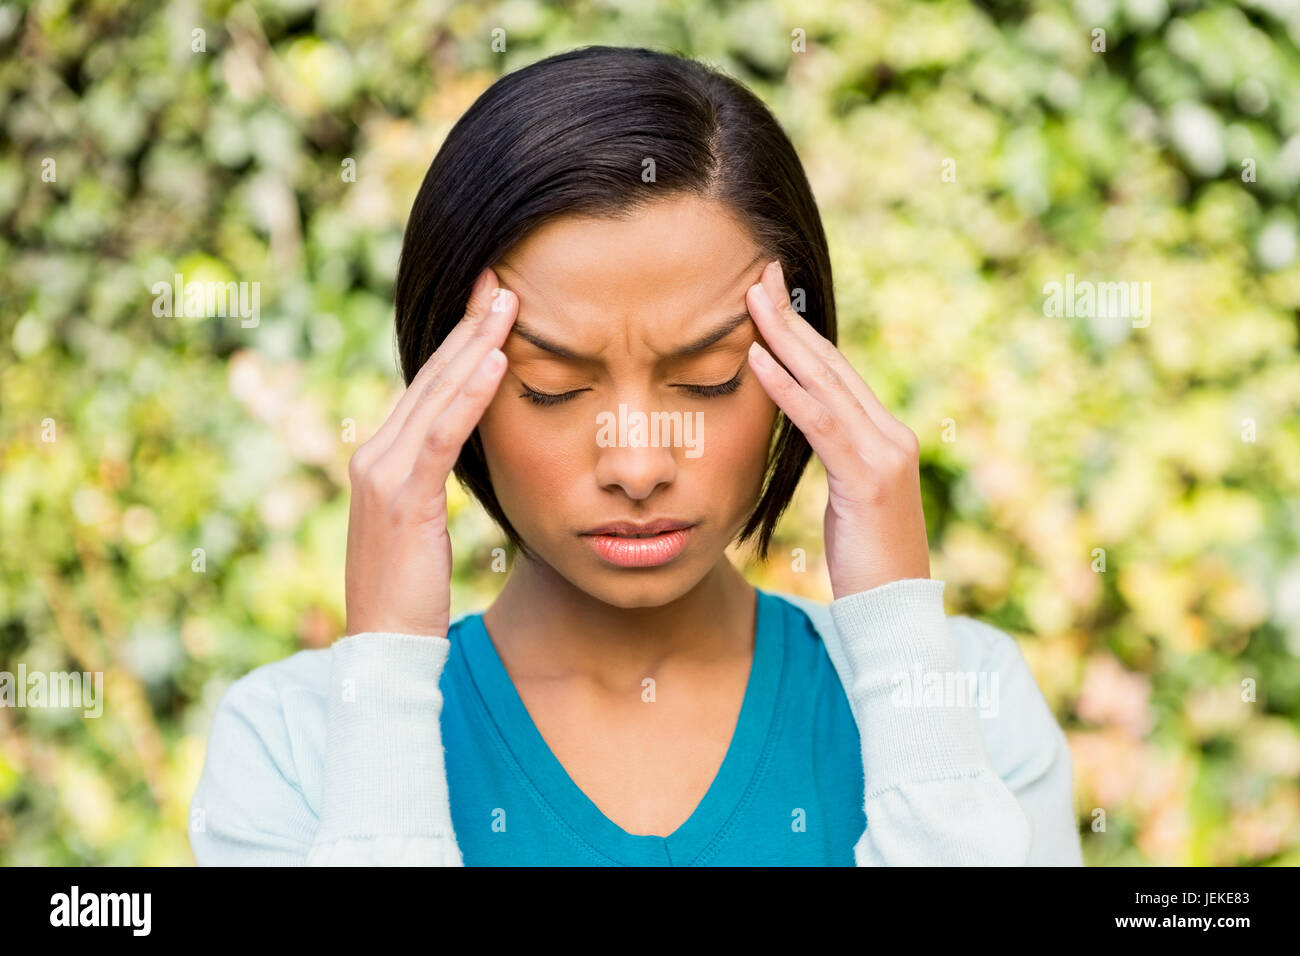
x=632 y=529
x=622 y=547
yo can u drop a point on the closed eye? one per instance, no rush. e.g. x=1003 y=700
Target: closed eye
x=546 y=399
x=712 y=391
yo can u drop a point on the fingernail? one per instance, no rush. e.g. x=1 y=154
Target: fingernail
x=500 y=300
x=763 y=297
x=760 y=355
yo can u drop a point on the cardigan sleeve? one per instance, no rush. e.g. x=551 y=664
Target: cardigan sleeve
x=943 y=785
x=383 y=794
x=933 y=796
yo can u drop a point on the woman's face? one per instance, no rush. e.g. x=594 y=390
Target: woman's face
x=612 y=315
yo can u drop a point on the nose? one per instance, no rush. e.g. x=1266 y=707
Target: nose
x=625 y=461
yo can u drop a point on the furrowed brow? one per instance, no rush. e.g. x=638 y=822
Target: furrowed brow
x=723 y=329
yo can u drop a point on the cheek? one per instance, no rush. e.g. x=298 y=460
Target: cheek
x=527 y=464
x=736 y=444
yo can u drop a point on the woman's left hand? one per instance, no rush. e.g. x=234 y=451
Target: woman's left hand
x=875 y=526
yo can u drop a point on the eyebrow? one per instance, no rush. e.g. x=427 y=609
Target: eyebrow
x=721 y=331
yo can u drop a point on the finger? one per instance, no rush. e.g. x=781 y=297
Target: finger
x=779 y=330
x=477 y=308
x=441 y=443
x=824 y=430
x=773 y=282
x=441 y=390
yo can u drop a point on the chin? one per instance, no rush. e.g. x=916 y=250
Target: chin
x=625 y=590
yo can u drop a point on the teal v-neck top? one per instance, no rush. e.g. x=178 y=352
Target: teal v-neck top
x=788 y=793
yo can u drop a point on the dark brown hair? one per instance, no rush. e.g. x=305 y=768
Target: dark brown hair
x=568 y=136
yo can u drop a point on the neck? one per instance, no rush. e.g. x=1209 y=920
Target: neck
x=544 y=627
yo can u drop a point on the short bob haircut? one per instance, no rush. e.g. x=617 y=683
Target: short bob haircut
x=569 y=136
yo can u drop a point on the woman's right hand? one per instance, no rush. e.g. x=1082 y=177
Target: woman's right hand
x=399 y=555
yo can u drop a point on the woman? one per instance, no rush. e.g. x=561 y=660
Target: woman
x=616 y=322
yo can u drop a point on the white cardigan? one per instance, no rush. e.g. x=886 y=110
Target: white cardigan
x=335 y=757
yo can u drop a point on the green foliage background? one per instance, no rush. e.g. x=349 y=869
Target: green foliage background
x=1068 y=434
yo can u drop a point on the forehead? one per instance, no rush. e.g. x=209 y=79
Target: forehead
x=655 y=275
